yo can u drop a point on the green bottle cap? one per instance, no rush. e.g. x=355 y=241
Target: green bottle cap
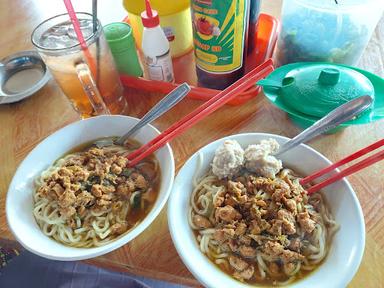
x=122 y=44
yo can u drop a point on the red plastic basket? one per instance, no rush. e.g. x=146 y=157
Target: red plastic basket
x=184 y=66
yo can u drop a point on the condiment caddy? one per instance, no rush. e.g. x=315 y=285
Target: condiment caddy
x=268 y=28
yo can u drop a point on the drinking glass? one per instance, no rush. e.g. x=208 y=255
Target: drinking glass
x=87 y=77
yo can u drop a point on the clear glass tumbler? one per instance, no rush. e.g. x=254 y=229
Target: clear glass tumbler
x=87 y=77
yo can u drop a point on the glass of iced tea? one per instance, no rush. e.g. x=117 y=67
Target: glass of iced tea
x=88 y=78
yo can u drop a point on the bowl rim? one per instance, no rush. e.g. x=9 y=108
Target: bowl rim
x=180 y=248
x=132 y=234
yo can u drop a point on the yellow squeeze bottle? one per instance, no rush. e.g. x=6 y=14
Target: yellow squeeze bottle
x=175 y=20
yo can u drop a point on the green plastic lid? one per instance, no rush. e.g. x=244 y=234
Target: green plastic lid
x=122 y=44
x=308 y=91
x=318 y=89
x=119 y=36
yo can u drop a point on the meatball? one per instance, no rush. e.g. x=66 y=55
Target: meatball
x=228 y=159
x=258 y=158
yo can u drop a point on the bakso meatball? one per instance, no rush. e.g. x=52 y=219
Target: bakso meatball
x=258 y=158
x=228 y=159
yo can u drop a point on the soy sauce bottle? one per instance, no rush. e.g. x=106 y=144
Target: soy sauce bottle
x=253 y=21
x=220 y=30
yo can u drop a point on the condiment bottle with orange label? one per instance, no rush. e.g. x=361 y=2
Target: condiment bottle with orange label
x=220 y=31
x=155 y=47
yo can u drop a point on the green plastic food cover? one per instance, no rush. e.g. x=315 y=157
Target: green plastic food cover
x=307 y=91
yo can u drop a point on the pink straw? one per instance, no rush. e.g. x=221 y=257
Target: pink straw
x=79 y=34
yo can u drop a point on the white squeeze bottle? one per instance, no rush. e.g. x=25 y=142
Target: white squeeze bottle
x=155 y=46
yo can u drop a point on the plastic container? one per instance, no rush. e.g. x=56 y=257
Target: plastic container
x=175 y=17
x=120 y=40
x=155 y=47
x=323 y=31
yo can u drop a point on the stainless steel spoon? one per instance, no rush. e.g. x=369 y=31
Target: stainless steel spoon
x=174 y=97
x=339 y=115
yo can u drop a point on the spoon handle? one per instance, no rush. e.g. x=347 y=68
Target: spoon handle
x=174 y=97
x=339 y=115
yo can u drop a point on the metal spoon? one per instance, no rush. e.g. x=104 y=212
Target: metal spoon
x=339 y=115
x=174 y=97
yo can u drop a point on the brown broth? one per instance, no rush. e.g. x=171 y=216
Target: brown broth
x=135 y=215
x=256 y=279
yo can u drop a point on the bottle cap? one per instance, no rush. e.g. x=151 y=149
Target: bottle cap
x=120 y=39
x=149 y=17
x=119 y=36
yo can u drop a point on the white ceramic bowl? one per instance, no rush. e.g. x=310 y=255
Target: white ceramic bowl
x=347 y=246
x=19 y=203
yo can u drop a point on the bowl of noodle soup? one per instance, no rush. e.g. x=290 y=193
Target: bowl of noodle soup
x=209 y=243
x=36 y=219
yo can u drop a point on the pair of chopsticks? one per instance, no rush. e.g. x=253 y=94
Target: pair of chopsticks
x=201 y=112
x=348 y=171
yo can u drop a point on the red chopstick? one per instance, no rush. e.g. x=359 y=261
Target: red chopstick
x=202 y=111
x=348 y=171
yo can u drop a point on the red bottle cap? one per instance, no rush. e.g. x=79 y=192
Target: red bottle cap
x=149 y=17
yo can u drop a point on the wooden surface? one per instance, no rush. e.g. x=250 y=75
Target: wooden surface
x=23 y=125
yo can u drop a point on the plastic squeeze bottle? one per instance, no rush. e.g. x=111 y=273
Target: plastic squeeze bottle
x=155 y=47
x=175 y=18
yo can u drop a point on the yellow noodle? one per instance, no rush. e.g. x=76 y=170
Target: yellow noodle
x=203 y=196
x=46 y=211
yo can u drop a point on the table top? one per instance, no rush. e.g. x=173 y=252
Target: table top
x=152 y=254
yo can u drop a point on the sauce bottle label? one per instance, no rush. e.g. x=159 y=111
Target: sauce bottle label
x=219 y=29
x=159 y=68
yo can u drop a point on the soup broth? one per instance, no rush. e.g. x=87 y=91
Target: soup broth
x=89 y=197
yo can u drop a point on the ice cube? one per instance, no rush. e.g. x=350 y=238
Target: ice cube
x=63 y=34
x=59 y=30
x=86 y=27
x=58 y=37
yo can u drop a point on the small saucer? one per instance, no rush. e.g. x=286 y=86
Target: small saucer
x=21 y=75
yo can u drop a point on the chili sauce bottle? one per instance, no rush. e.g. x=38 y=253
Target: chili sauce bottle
x=155 y=47
x=220 y=31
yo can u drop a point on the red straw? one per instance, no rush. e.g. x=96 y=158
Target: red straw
x=202 y=111
x=348 y=171
x=148 y=8
x=79 y=34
